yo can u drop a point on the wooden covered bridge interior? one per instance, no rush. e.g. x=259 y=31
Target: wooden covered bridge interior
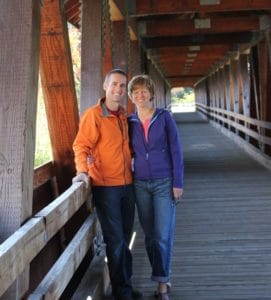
x=51 y=245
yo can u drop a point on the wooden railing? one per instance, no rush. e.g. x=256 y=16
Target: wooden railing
x=233 y=119
x=17 y=252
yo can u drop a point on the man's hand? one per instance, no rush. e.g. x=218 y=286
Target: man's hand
x=82 y=177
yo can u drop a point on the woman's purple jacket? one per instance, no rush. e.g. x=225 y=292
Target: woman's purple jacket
x=161 y=156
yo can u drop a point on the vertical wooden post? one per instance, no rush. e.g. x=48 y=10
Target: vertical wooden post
x=227 y=86
x=236 y=91
x=58 y=89
x=167 y=96
x=245 y=87
x=107 y=38
x=263 y=70
x=107 y=57
x=135 y=58
x=216 y=89
x=19 y=56
x=91 y=54
x=207 y=89
x=120 y=45
x=263 y=83
x=120 y=56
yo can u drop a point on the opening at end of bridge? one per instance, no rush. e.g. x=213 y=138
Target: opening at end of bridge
x=182 y=100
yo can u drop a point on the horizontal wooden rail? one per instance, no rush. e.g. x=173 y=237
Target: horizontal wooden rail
x=56 y=280
x=263 y=124
x=43 y=173
x=218 y=113
x=21 y=247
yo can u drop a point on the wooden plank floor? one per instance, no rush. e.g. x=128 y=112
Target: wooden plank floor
x=223 y=225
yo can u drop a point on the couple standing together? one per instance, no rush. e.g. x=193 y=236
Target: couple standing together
x=104 y=148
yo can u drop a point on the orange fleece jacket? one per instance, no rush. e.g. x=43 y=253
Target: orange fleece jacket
x=103 y=138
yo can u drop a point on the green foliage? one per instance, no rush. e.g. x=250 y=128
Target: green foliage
x=43 y=151
x=182 y=95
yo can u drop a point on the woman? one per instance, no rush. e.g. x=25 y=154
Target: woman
x=158 y=177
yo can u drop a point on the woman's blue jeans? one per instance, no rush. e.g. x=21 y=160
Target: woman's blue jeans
x=156 y=212
x=115 y=207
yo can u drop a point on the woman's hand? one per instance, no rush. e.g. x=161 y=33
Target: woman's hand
x=177 y=193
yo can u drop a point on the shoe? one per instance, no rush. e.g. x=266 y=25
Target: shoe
x=136 y=294
x=163 y=296
x=168 y=289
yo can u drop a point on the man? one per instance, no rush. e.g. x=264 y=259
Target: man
x=102 y=153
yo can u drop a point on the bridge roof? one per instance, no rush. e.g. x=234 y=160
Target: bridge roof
x=188 y=40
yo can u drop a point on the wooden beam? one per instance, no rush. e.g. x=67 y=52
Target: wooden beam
x=42 y=174
x=197 y=39
x=19 y=56
x=20 y=248
x=150 y=7
x=91 y=54
x=177 y=27
x=18 y=68
x=206 y=49
x=59 y=90
x=120 y=58
x=185 y=81
x=57 y=279
x=108 y=48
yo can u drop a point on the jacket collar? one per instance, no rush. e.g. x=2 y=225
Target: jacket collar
x=105 y=112
x=158 y=111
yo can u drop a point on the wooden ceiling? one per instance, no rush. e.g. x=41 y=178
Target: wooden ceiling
x=189 y=39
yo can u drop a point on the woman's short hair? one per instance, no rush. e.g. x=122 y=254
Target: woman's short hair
x=141 y=81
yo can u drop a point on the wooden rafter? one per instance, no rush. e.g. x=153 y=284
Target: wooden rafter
x=149 y=7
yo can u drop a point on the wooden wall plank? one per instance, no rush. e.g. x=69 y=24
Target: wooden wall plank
x=59 y=90
x=91 y=55
x=19 y=56
x=18 y=93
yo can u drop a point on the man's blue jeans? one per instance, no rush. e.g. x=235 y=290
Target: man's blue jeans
x=115 y=207
x=156 y=212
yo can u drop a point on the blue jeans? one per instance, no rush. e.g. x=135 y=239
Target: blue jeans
x=115 y=207
x=156 y=212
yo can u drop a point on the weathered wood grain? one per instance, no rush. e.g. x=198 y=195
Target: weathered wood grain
x=20 y=248
x=60 y=274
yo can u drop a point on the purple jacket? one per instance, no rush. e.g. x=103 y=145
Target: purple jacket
x=161 y=156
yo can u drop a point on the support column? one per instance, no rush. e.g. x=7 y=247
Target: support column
x=107 y=46
x=245 y=88
x=59 y=90
x=91 y=55
x=236 y=90
x=120 y=58
x=135 y=58
x=19 y=56
x=227 y=86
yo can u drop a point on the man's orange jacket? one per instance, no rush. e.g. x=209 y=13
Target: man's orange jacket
x=101 y=147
